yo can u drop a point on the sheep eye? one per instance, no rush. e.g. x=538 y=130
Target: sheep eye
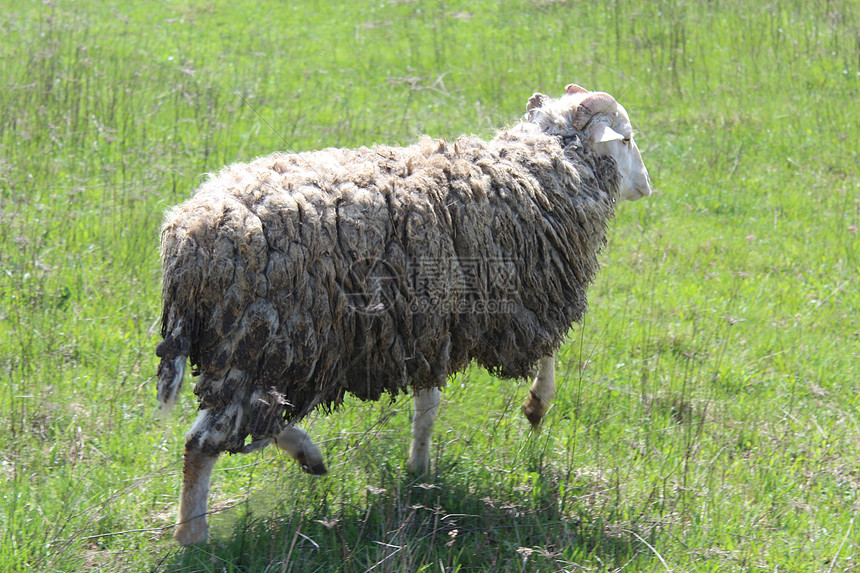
x=626 y=141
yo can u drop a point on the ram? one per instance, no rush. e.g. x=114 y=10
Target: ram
x=296 y=279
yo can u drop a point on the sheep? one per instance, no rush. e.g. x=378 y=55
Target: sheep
x=295 y=279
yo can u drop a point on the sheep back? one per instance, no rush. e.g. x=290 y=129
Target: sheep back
x=298 y=278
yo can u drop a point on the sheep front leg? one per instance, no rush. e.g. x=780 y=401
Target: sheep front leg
x=426 y=407
x=541 y=393
x=191 y=525
x=302 y=448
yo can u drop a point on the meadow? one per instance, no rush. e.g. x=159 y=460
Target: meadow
x=708 y=416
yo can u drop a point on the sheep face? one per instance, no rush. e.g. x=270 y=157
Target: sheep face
x=611 y=134
x=605 y=125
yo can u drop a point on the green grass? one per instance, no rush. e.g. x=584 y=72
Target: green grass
x=707 y=418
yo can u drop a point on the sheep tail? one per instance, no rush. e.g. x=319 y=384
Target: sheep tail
x=173 y=351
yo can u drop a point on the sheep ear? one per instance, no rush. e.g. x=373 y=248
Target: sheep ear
x=536 y=101
x=603 y=133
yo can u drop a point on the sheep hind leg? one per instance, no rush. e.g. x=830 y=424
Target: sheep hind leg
x=426 y=408
x=302 y=448
x=541 y=393
x=191 y=527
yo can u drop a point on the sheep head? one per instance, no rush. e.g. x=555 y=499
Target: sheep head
x=600 y=121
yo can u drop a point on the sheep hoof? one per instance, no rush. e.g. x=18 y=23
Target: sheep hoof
x=534 y=420
x=316 y=469
x=534 y=411
x=417 y=472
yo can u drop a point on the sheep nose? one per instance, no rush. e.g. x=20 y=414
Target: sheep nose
x=638 y=192
x=644 y=187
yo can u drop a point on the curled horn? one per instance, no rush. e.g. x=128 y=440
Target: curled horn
x=596 y=102
x=574 y=89
x=537 y=100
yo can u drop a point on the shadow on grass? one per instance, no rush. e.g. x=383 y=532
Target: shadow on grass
x=451 y=524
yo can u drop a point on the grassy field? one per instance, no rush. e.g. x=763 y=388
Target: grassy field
x=708 y=417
